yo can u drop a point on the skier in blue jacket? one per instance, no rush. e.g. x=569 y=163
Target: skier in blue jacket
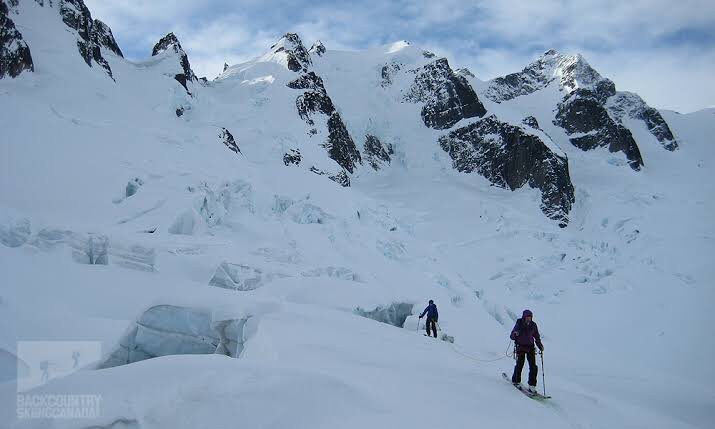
x=432 y=316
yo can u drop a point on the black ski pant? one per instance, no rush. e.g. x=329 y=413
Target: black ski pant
x=533 y=369
x=431 y=324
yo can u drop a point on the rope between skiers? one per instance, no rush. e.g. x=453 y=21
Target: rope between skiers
x=468 y=356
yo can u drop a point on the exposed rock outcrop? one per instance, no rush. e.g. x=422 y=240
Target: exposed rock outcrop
x=531 y=122
x=388 y=72
x=171 y=43
x=448 y=97
x=583 y=115
x=625 y=105
x=227 y=139
x=591 y=111
x=376 y=154
x=510 y=157
x=103 y=36
x=315 y=100
x=297 y=58
x=571 y=72
x=340 y=178
x=76 y=16
x=318 y=48
x=292 y=157
x=15 y=56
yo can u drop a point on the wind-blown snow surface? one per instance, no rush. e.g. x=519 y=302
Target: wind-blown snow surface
x=111 y=204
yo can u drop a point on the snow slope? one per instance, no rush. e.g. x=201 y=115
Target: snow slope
x=111 y=204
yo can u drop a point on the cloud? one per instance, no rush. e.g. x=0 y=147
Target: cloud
x=662 y=49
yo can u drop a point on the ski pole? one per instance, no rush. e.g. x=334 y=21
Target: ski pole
x=418 y=325
x=543 y=373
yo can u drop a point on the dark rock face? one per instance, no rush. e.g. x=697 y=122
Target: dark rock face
x=314 y=100
x=307 y=81
x=375 y=152
x=340 y=145
x=448 y=97
x=582 y=112
x=227 y=139
x=15 y=55
x=225 y=66
x=318 y=48
x=628 y=105
x=428 y=54
x=103 y=36
x=179 y=111
x=340 y=178
x=388 y=72
x=531 y=121
x=76 y=16
x=297 y=56
x=170 y=42
x=292 y=157
x=510 y=158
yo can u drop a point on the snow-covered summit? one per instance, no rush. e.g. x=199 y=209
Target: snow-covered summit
x=169 y=46
x=578 y=100
x=290 y=52
x=569 y=71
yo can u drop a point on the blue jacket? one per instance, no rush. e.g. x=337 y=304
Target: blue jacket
x=431 y=312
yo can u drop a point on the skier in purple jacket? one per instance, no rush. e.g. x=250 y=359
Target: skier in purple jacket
x=525 y=334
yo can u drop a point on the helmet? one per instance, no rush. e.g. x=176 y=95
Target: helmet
x=527 y=313
x=431 y=302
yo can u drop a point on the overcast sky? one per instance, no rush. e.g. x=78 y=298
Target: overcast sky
x=662 y=49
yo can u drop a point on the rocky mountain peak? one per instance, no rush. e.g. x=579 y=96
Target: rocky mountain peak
x=171 y=43
x=291 y=50
x=510 y=156
x=573 y=71
x=318 y=48
x=448 y=97
x=569 y=71
x=103 y=36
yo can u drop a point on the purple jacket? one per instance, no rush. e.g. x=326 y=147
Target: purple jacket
x=528 y=334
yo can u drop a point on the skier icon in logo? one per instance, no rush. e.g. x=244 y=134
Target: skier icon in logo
x=45 y=368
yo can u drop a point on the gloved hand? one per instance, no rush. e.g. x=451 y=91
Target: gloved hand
x=541 y=349
x=420 y=317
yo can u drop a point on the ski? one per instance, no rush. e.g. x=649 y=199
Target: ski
x=536 y=396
